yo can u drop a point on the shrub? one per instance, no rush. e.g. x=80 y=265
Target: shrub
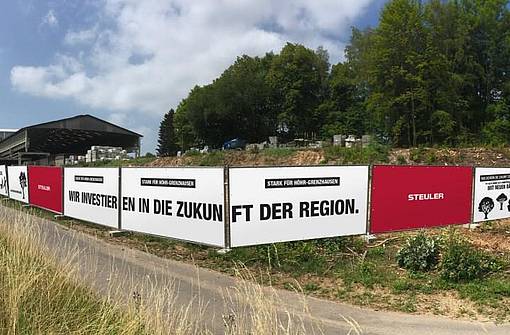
x=462 y=262
x=401 y=160
x=420 y=254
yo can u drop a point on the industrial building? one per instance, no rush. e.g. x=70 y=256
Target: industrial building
x=52 y=142
x=4 y=133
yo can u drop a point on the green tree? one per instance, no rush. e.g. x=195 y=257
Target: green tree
x=395 y=77
x=185 y=133
x=298 y=79
x=167 y=144
x=237 y=104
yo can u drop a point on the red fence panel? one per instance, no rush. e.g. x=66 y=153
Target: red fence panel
x=45 y=187
x=410 y=197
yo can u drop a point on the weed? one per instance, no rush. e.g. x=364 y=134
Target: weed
x=310 y=287
x=374 y=153
x=462 y=262
x=420 y=253
x=401 y=160
x=216 y=158
x=278 y=152
x=365 y=273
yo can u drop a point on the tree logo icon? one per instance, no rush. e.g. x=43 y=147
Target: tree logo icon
x=485 y=206
x=23 y=182
x=501 y=199
x=3 y=183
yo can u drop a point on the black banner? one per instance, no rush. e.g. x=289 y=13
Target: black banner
x=495 y=177
x=167 y=182
x=89 y=179
x=302 y=182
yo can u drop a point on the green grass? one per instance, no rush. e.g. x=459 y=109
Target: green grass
x=423 y=155
x=374 y=153
x=278 y=152
x=118 y=163
x=216 y=158
x=37 y=297
x=314 y=265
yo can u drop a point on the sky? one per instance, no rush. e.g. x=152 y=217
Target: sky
x=130 y=61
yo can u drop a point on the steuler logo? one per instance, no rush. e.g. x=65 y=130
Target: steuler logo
x=44 y=188
x=425 y=196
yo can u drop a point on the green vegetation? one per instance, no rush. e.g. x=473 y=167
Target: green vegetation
x=37 y=296
x=278 y=152
x=349 y=270
x=44 y=294
x=419 y=254
x=462 y=262
x=374 y=153
x=167 y=143
x=423 y=155
x=119 y=163
x=430 y=73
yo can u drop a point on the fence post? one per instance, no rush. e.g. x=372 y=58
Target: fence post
x=119 y=201
x=472 y=224
x=368 y=236
x=226 y=209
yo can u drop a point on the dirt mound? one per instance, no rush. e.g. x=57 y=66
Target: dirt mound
x=490 y=157
x=244 y=158
x=293 y=158
x=491 y=236
x=171 y=161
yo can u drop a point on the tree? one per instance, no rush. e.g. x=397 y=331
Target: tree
x=432 y=72
x=23 y=182
x=486 y=206
x=501 y=199
x=3 y=183
x=167 y=142
x=297 y=78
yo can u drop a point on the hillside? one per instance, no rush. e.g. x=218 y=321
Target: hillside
x=333 y=155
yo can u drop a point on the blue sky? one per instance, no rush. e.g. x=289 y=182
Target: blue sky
x=129 y=61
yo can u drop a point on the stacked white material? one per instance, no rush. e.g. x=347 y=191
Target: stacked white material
x=101 y=153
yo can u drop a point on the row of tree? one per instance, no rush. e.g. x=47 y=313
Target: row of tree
x=431 y=72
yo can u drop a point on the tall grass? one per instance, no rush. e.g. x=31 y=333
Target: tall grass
x=39 y=296
x=43 y=290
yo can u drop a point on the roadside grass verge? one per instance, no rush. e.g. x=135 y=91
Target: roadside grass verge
x=38 y=296
x=348 y=270
x=44 y=290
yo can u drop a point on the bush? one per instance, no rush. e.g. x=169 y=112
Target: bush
x=374 y=153
x=401 y=160
x=420 y=254
x=462 y=262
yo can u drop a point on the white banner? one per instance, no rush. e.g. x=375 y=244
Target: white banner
x=3 y=181
x=280 y=204
x=181 y=203
x=92 y=194
x=18 y=183
x=492 y=194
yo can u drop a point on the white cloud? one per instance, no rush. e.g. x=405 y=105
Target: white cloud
x=50 y=19
x=81 y=37
x=145 y=56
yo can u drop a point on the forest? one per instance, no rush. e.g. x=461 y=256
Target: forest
x=430 y=73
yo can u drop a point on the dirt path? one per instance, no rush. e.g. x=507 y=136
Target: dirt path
x=103 y=266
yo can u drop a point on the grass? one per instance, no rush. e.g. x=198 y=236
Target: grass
x=140 y=161
x=39 y=296
x=43 y=291
x=278 y=152
x=345 y=269
x=374 y=153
